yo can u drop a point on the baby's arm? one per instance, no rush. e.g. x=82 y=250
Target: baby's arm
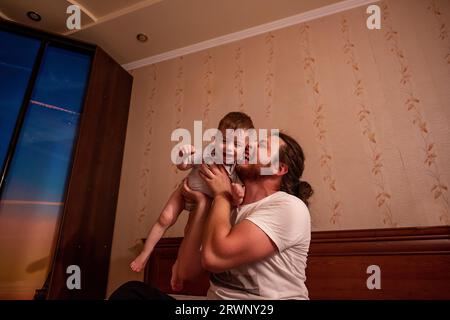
x=187 y=152
x=237 y=193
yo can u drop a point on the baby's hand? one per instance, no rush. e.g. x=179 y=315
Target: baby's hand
x=237 y=193
x=186 y=152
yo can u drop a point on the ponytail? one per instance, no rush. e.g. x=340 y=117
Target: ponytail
x=291 y=154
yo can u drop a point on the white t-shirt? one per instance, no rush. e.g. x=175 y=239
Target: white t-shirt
x=286 y=220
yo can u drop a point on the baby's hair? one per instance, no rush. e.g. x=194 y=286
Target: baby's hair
x=235 y=120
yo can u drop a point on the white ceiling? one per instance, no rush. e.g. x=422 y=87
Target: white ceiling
x=169 y=24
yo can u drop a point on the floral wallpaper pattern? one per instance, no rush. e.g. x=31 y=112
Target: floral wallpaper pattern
x=321 y=131
x=442 y=26
x=413 y=106
x=368 y=130
x=239 y=78
x=269 y=77
x=207 y=87
x=179 y=101
x=145 y=174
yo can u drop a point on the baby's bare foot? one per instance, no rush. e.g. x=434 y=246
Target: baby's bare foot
x=139 y=263
x=237 y=193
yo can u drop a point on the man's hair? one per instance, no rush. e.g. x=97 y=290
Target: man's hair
x=291 y=154
x=235 y=120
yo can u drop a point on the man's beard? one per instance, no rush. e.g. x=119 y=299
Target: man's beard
x=249 y=172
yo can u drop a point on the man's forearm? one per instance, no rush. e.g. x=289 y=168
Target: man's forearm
x=218 y=226
x=189 y=255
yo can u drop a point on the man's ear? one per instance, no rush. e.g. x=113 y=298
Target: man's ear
x=282 y=169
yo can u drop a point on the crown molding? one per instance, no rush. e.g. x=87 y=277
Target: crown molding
x=250 y=32
x=4 y=16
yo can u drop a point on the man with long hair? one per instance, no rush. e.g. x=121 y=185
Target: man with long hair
x=255 y=251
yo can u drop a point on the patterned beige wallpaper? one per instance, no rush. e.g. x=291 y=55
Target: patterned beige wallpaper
x=371 y=109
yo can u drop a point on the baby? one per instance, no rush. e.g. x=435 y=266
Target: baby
x=176 y=202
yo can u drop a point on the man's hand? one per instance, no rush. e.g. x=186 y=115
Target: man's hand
x=217 y=179
x=191 y=195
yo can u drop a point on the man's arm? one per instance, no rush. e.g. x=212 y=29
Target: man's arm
x=189 y=255
x=224 y=246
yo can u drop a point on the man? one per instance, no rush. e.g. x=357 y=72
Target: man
x=256 y=251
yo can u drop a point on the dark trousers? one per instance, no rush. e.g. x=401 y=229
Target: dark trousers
x=137 y=290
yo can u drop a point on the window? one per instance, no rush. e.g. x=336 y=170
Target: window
x=17 y=57
x=33 y=191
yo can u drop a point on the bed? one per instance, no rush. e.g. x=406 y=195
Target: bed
x=414 y=263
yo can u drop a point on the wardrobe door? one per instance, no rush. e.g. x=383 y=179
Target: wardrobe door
x=90 y=207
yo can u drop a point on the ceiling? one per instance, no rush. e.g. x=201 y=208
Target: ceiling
x=169 y=24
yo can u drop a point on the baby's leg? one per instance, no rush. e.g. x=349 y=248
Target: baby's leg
x=167 y=218
x=175 y=282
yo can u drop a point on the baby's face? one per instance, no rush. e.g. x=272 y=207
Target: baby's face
x=237 y=146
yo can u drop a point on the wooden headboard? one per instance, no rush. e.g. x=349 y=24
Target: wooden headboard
x=414 y=264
